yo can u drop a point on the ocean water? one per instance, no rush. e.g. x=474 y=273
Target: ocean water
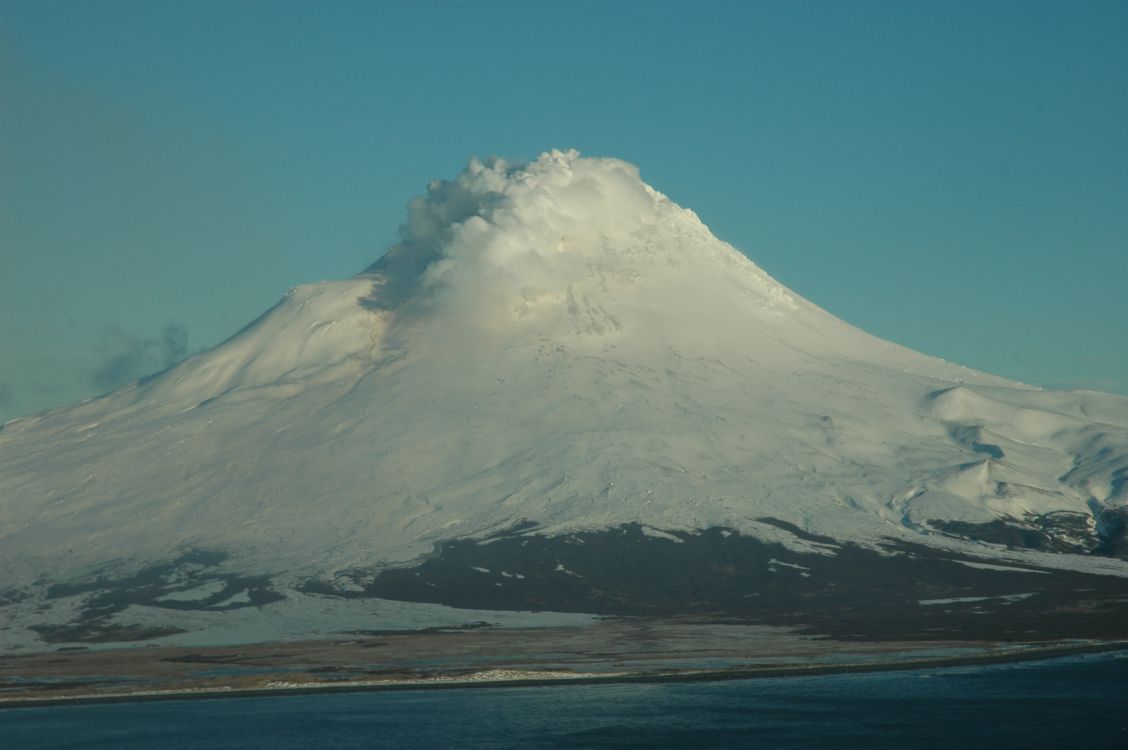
x=1063 y=703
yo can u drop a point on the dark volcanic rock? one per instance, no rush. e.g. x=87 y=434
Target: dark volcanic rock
x=1061 y=531
x=903 y=591
x=1113 y=527
x=106 y=596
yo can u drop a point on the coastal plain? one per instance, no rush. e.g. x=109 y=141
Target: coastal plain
x=610 y=650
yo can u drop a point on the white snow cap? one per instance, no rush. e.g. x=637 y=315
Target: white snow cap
x=503 y=240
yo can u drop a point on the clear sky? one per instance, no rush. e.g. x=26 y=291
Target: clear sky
x=950 y=175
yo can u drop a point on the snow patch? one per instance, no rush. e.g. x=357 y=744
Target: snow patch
x=211 y=588
x=989 y=566
x=659 y=534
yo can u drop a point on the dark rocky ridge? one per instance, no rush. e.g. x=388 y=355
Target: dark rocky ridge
x=1062 y=531
x=903 y=591
x=900 y=591
x=152 y=587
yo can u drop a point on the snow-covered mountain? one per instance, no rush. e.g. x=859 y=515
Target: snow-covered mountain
x=555 y=349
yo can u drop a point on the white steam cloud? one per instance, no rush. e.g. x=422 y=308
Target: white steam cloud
x=530 y=228
x=558 y=244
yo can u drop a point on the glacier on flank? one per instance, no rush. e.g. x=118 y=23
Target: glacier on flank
x=557 y=344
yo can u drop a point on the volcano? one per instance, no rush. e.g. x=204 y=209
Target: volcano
x=561 y=393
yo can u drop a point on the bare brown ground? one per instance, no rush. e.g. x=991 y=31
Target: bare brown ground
x=617 y=648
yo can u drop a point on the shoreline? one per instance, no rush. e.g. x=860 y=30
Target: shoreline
x=537 y=678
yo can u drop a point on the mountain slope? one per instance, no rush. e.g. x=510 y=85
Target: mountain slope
x=557 y=347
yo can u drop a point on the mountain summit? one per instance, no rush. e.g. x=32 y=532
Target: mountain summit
x=556 y=356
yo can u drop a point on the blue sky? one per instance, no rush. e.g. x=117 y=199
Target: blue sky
x=950 y=175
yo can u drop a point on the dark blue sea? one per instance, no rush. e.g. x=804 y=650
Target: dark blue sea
x=1074 y=702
